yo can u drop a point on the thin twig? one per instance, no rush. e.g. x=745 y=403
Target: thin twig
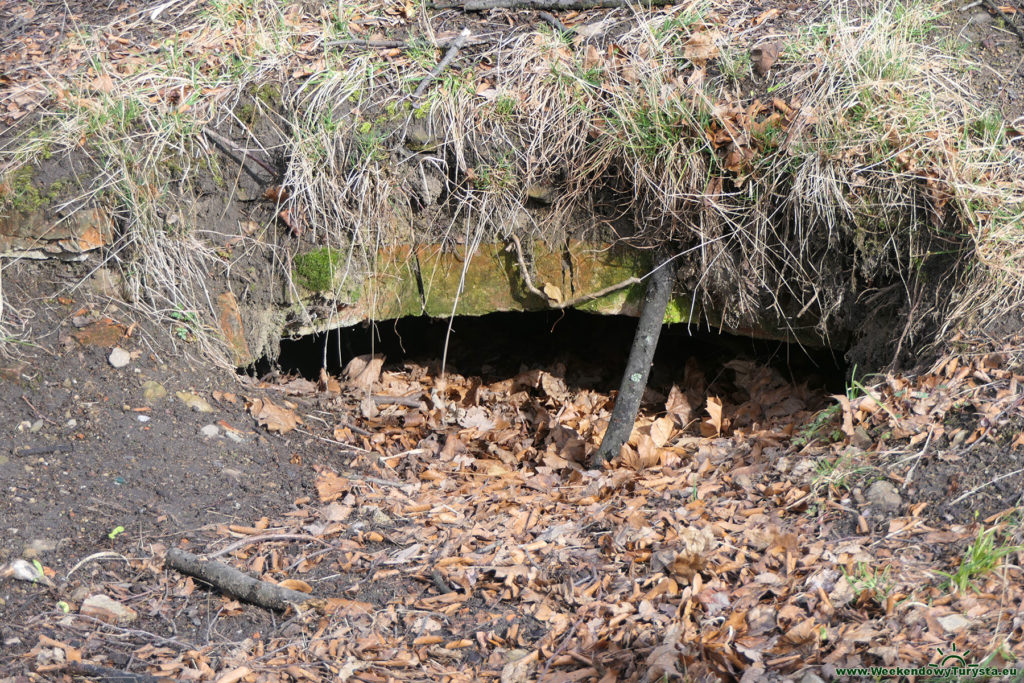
x=572 y=302
x=1009 y=22
x=453 y=50
x=987 y=483
x=360 y=42
x=229 y=148
x=555 y=23
x=484 y=5
x=241 y=543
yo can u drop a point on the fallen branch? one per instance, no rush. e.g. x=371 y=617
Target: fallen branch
x=638 y=367
x=453 y=50
x=102 y=673
x=410 y=401
x=362 y=42
x=555 y=23
x=229 y=148
x=484 y=5
x=1002 y=15
x=582 y=299
x=233 y=582
x=44 y=450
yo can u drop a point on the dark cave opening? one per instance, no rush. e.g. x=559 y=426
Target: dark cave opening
x=588 y=350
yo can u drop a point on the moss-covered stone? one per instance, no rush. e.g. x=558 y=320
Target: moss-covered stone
x=20 y=194
x=315 y=269
x=391 y=288
x=596 y=267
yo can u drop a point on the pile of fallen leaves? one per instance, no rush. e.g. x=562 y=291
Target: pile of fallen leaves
x=459 y=537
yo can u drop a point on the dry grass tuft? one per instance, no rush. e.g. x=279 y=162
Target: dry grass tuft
x=866 y=166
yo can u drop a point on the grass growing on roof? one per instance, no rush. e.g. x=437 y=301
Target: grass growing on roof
x=875 y=151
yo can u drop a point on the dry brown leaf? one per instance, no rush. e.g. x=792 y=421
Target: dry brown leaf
x=296 y=585
x=272 y=416
x=764 y=56
x=700 y=47
x=661 y=431
x=364 y=371
x=713 y=425
x=329 y=486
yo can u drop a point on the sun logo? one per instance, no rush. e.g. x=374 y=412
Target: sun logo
x=954 y=658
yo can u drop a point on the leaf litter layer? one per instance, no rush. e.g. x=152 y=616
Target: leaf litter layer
x=841 y=169
x=458 y=537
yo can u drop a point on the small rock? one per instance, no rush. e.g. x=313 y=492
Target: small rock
x=153 y=391
x=36 y=426
x=234 y=436
x=861 y=439
x=380 y=518
x=194 y=401
x=143 y=418
x=107 y=609
x=71 y=424
x=418 y=138
x=543 y=194
x=951 y=623
x=883 y=495
x=37 y=547
x=810 y=677
x=232 y=473
x=119 y=357
x=210 y=431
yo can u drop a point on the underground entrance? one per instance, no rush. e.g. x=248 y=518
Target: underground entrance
x=588 y=351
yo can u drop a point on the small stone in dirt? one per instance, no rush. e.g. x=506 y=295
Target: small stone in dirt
x=194 y=401
x=883 y=495
x=210 y=431
x=153 y=391
x=143 y=418
x=380 y=518
x=234 y=436
x=37 y=547
x=861 y=439
x=810 y=677
x=951 y=623
x=107 y=609
x=119 y=357
x=232 y=473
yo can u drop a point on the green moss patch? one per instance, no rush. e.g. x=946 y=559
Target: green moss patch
x=315 y=270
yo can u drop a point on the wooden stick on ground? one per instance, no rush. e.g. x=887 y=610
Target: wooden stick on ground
x=1002 y=15
x=233 y=582
x=484 y=5
x=240 y=156
x=106 y=675
x=453 y=50
x=555 y=22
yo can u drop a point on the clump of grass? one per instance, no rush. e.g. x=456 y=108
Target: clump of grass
x=981 y=557
x=875 y=156
x=875 y=584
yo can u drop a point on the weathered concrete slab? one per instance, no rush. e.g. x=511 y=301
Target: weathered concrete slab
x=37 y=236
